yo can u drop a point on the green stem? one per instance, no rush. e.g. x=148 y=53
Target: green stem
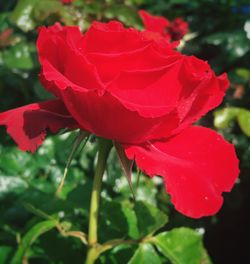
x=92 y=255
x=104 y=149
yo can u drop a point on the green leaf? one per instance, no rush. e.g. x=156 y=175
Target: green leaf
x=145 y=254
x=244 y=121
x=43 y=9
x=22 y=14
x=149 y=218
x=243 y=73
x=28 y=13
x=58 y=249
x=113 y=221
x=18 y=56
x=179 y=1
x=182 y=246
x=217 y=38
x=234 y=43
x=4 y=254
x=14 y=162
x=146 y=190
x=120 y=254
x=30 y=237
x=10 y=184
x=118 y=219
x=122 y=219
x=225 y=116
x=129 y=213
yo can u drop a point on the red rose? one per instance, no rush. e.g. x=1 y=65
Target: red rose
x=67 y=1
x=178 y=29
x=5 y=37
x=122 y=85
x=171 y=31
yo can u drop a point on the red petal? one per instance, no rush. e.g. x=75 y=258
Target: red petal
x=112 y=38
x=152 y=93
x=202 y=91
x=197 y=166
x=27 y=125
x=62 y=60
x=154 y=23
x=161 y=40
x=106 y=117
x=145 y=58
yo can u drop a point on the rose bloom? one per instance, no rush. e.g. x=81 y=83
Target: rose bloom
x=178 y=28
x=67 y=1
x=5 y=37
x=172 y=31
x=134 y=88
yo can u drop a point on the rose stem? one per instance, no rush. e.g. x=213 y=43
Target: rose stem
x=104 y=149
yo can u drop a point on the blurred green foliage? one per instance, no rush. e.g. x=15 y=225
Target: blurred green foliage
x=38 y=227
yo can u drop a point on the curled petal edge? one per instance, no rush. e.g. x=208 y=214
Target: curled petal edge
x=27 y=124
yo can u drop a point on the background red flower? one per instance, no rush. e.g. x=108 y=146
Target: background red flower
x=171 y=30
x=67 y=1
